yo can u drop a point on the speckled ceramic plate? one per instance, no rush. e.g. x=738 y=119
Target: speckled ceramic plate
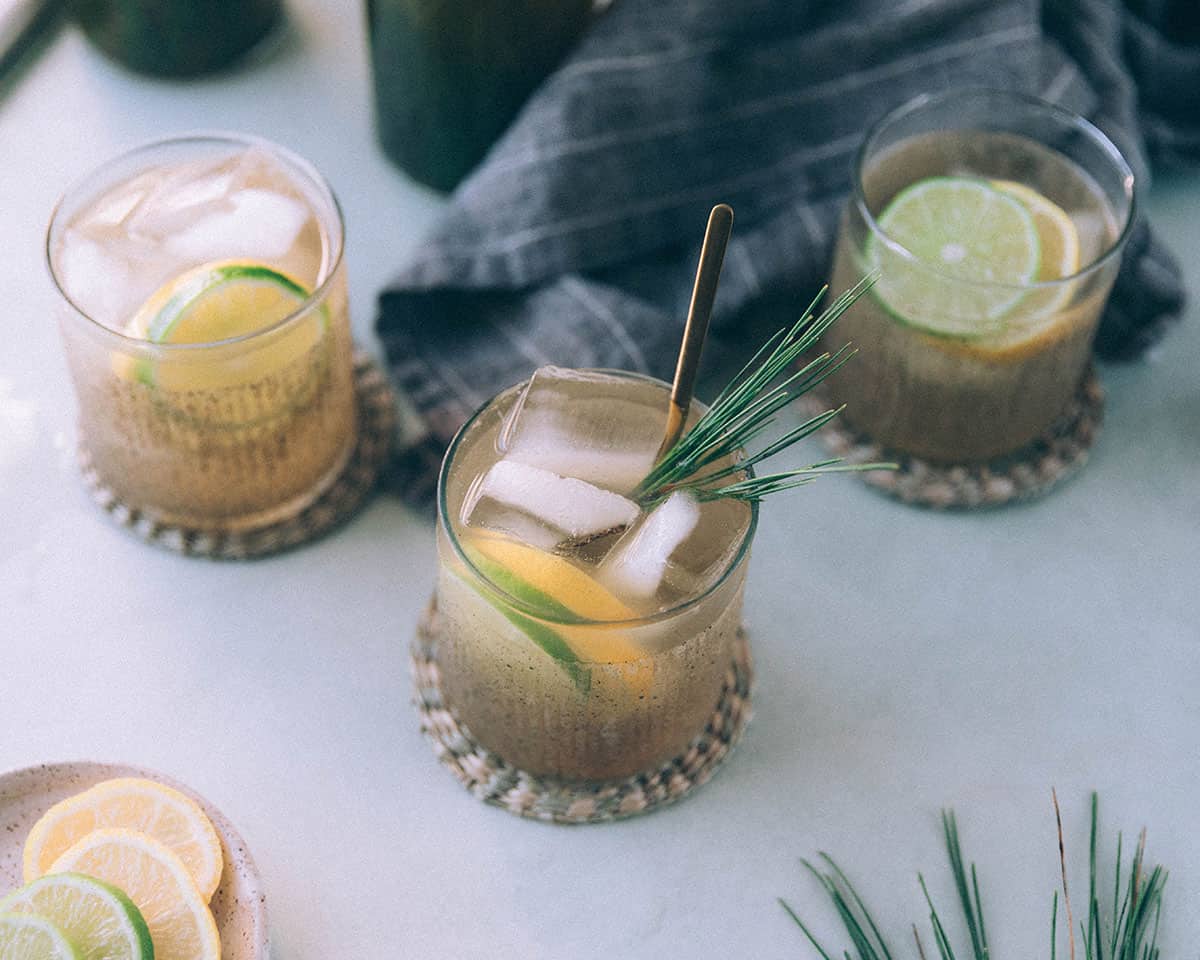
x=239 y=905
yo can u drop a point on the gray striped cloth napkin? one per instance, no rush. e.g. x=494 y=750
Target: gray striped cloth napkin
x=575 y=241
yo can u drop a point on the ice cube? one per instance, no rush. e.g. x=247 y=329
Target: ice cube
x=573 y=507
x=550 y=448
x=582 y=425
x=96 y=278
x=175 y=206
x=255 y=166
x=640 y=560
x=115 y=207
x=199 y=191
x=256 y=223
x=175 y=196
x=711 y=548
x=489 y=514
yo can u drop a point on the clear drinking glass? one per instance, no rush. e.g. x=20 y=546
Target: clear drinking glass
x=992 y=280
x=225 y=410
x=560 y=693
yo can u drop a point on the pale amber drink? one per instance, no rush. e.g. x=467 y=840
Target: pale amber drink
x=578 y=657
x=932 y=379
x=232 y=431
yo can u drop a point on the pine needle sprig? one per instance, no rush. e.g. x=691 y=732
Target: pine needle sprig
x=859 y=924
x=968 y=896
x=1129 y=932
x=747 y=408
x=1054 y=927
x=1132 y=926
x=972 y=908
x=940 y=939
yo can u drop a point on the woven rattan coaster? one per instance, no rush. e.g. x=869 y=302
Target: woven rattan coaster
x=494 y=781
x=1024 y=475
x=376 y=413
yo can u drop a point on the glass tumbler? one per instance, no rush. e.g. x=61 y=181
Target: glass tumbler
x=176 y=38
x=449 y=75
x=996 y=223
x=204 y=315
x=574 y=696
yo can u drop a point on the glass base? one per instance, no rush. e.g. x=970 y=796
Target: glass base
x=495 y=781
x=232 y=524
x=1025 y=474
x=329 y=504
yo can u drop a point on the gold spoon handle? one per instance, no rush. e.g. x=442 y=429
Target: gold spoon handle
x=704 y=292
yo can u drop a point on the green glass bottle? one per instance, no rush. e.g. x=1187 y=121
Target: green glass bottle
x=175 y=38
x=451 y=74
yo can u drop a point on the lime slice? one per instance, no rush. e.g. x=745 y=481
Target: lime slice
x=217 y=302
x=155 y=879
x=971 y=247
x=548 y=640
x=137 y=804
x=555 y=588
x=98 y=919
x=24 y=936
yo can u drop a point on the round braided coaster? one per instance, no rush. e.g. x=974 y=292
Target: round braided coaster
x=1024 y=475
x=376 y=423
x=492 y=780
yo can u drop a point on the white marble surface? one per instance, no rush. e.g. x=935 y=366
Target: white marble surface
x=906 y=659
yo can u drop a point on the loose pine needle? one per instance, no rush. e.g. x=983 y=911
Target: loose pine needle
x=1129 y=932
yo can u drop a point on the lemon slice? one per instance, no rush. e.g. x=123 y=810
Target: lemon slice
x=218 y=302
x=547 y=581
x=1057 y=236
x=557 y=589
x=975 y=246
x=24 y=936
x=98 y=919
x=135 y=804
x=181 y=926
x=1060 y=257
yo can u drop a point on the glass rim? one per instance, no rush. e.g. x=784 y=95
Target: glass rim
x=531 y=611
x=1085 y=126
x=318 y=294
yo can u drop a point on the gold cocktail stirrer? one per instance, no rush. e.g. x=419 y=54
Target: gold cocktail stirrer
x=704 y=292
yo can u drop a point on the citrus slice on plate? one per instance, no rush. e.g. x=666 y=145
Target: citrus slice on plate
x=961 y=250
x=98 y=919
x=155 y=879
x=152 y=808
x=217 y=302
x=555 y=588
x=24 y=936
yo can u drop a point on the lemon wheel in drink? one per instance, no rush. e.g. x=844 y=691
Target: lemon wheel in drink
x=214 y=377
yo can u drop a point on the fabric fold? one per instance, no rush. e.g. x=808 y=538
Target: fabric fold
x=575 y=240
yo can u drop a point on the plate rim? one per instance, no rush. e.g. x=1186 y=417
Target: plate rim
x=255 y=901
